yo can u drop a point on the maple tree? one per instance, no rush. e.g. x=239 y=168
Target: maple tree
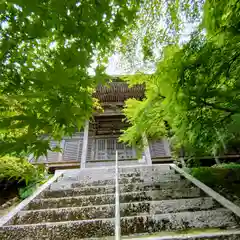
x=193 y=97
x=46 y=50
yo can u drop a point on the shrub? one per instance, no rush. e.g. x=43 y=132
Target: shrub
x=217 y=175
x=228 y=166
x=18 y=169
x=204 y=174
x=24 y=192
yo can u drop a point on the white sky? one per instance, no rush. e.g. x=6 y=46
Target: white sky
x=116 y=66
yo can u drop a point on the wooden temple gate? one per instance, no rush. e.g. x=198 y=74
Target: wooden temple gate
x=99 y=140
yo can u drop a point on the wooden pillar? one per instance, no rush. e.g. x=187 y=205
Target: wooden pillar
x=30 y=157
x=78 y=150
x=217 y=160
x=166 y=147
x=182 y=157
x=146 y=149
x=85 y=145
x=60 y=154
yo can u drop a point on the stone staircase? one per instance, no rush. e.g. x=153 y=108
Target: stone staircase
x=155 y=203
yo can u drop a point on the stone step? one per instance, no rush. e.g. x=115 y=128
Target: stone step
x=106 y=189
x=96 y=174
x=136 y=172
x=108 y=211
x=219 y=235
x=79 y=201
x=102 y=181
x=128 y=180
x=161 y=169
x=129 y=225
x=107 y=176
x=111 y=163
x=156 y=167
x=64 y=184
x=101 y=176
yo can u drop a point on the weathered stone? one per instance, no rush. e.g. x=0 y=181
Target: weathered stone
x=111 y=170
x=94 y=190
x=81 y=204
x=89 y=175
x=108 y=211
x=160 y=169
x=168 y=206
x=64 y=214
x=218 y=235
x=79 y=201
x=61 y=231
x=71 y=201
x=127 y=180
x=111 y=164
x=129 y=225
x=178 y=221
x=106 y=176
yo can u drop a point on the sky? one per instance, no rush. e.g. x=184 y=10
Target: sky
x=116 y=66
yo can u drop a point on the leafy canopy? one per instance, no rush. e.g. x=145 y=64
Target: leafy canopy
x=159 y=24
x=46 y=50
x=193 y=97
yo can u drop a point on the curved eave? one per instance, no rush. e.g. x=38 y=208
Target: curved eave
x=118 y=92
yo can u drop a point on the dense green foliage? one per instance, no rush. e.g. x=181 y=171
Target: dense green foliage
x=160 y=23
x=223 y=178
x=29 y=189
x=46 y=50
x=193 y=97
x=19 y=169
x=228 y=165
x=219 y=174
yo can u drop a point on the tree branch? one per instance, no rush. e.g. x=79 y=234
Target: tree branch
x=217 y=107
